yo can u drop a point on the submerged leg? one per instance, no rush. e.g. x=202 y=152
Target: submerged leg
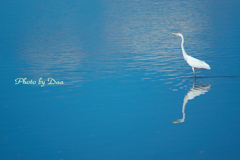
x=194 y=72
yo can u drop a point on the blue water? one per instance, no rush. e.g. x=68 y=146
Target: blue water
x=127 y=93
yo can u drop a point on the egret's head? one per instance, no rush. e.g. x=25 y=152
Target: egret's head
x=177 y=34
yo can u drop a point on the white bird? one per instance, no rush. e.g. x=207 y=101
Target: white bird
x=193 y=62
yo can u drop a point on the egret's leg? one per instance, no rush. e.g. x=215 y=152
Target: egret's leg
x=194 y=72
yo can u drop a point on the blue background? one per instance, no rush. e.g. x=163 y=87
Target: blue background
x=125 y=80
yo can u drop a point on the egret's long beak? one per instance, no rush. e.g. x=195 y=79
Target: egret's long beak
x=175 y=34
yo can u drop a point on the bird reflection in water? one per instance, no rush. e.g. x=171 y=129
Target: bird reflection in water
x=195 y=91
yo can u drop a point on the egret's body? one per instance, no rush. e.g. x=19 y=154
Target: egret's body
x=193 y=62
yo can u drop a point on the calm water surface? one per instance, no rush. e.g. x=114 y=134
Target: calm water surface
x=127 y=93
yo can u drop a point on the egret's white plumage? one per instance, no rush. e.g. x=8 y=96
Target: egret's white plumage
x=193 y=62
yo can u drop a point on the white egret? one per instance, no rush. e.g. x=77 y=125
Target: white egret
x=193 y=62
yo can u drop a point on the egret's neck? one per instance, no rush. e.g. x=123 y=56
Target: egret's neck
x=183 y=50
